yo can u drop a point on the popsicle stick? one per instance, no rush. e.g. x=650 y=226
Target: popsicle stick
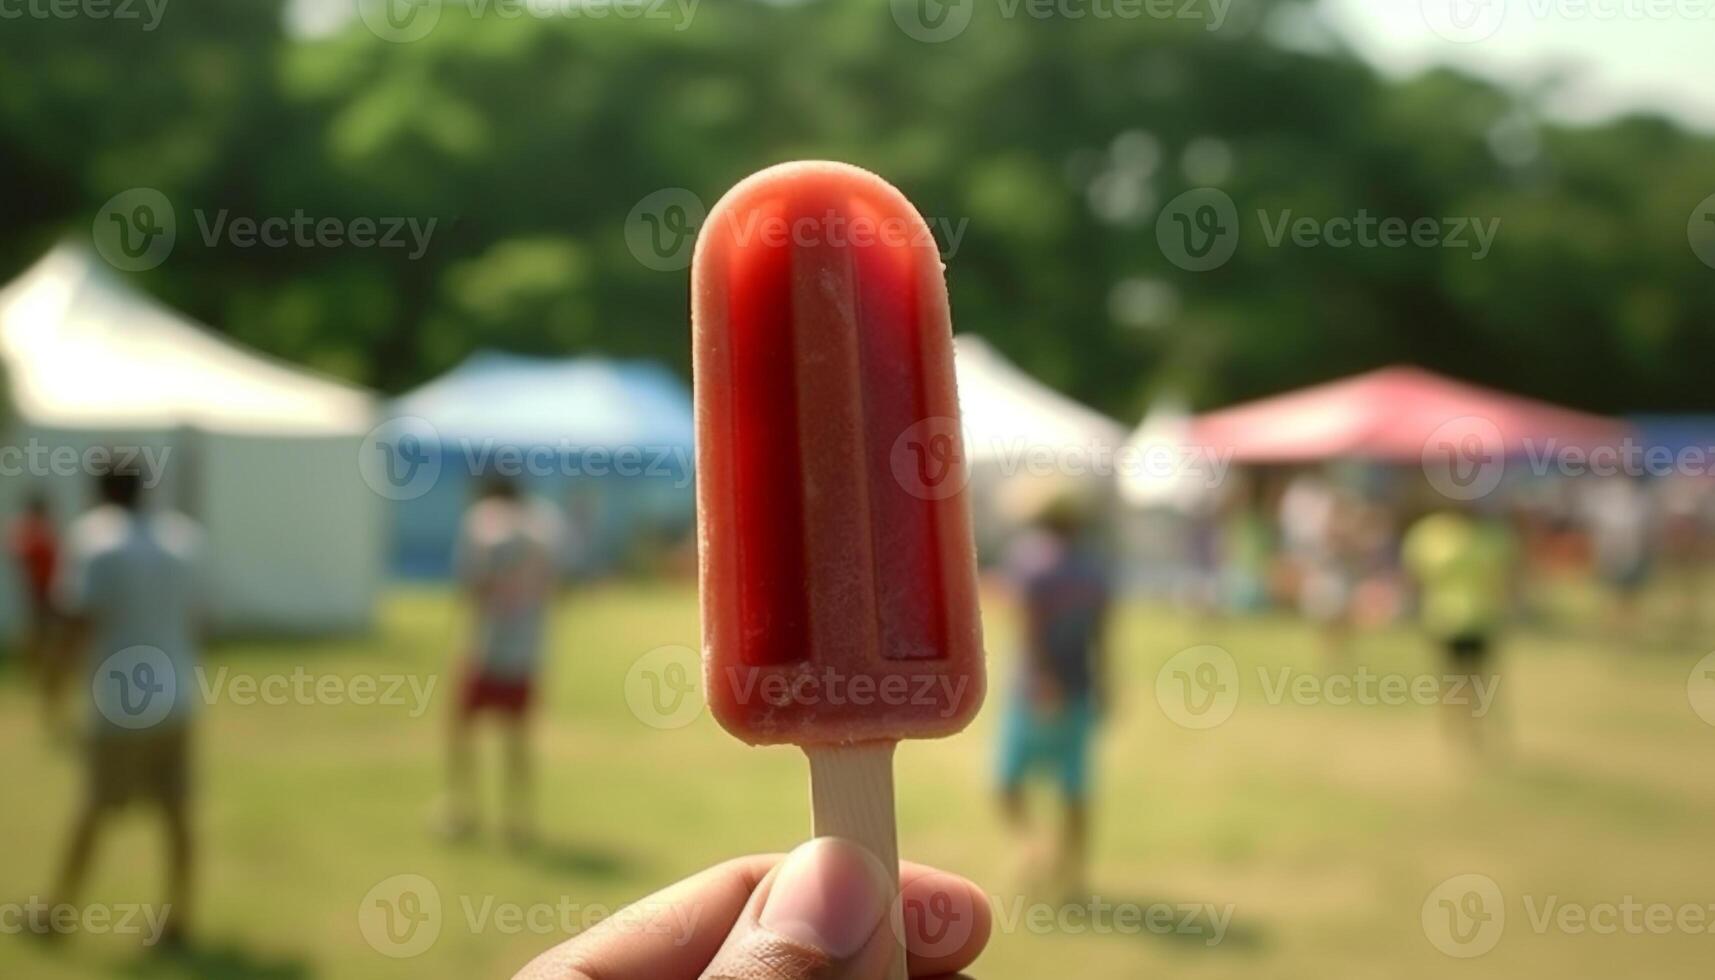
x=851 y=796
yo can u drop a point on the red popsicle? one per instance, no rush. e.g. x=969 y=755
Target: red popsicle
x=837 y=568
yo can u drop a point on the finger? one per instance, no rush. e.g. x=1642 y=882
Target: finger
x=947 y=920
x=670 y=935
x=822 y=915
x=675 y=932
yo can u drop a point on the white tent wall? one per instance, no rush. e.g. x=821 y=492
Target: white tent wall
x=294 y=533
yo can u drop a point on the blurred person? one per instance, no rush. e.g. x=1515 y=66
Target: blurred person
x=819 y=913
x=1464 y=565
x=34 y=546
x=1620 y=515
x=1246 y=545
x=131 y=592
x=508 y=560
x=1686 y=505
x=1061 y=691
x=1333 y=563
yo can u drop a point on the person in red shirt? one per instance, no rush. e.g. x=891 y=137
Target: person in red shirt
x=34 y=546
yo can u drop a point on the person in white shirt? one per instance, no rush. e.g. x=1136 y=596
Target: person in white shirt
x=508 y=560
x=131 y=591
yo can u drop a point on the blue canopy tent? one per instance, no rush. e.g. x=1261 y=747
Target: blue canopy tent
x=1676 y=433
x=609 y=441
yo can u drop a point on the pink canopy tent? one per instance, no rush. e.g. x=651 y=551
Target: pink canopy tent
x=1397 y=414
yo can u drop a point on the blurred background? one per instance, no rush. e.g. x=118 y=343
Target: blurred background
x=1258 y=286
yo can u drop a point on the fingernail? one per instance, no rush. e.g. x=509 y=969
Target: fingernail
x=829 y=894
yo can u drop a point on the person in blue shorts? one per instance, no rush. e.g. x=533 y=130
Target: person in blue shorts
x=1064 y=591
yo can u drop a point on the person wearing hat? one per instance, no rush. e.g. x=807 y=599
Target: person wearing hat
x=1064 y=590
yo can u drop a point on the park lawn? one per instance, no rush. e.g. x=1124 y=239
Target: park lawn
x=1321 y=826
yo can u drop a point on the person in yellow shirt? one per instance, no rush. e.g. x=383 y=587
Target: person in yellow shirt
x=1464 y=567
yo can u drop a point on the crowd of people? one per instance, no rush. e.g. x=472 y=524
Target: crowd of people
x=116 y=601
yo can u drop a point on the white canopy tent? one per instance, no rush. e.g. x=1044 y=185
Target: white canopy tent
x=1024 y=440
x=262 y=454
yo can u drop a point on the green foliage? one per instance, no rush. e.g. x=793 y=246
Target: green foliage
x=1049 y=144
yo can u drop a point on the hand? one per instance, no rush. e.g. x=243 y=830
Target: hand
x=820 y=913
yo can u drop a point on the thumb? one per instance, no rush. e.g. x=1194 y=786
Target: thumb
x=819 y=916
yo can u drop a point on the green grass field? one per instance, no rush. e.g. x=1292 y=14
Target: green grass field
x=1322 y=827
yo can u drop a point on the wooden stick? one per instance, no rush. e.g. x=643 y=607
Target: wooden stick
x=851 y=796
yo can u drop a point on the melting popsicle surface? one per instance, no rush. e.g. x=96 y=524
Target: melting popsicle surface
x=838 y=576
